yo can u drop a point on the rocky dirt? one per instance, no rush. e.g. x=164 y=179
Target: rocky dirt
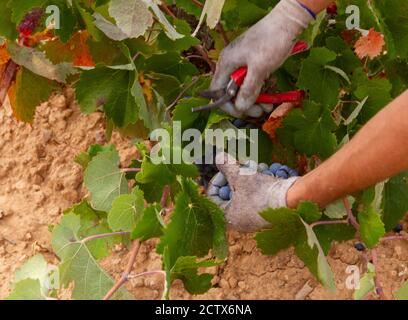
x=39 y=179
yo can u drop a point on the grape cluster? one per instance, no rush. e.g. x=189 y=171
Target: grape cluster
x=30 y=22
x=220 y=185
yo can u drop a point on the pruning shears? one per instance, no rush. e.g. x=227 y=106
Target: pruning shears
x=224 y=95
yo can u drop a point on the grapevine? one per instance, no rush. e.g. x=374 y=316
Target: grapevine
x=142 y=64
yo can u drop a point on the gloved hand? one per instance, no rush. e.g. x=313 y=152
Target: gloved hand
x=263 y=48
x=251 y=194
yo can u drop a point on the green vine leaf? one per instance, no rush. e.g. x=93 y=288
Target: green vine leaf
x=78 y=265
x=104 y=180
x=126 y=211
x=371 y=226
x=27 y=289
x=367 y=283
x=395 y=200
x=288 y=229
x=197 y=226
x=34 y=280
x=150 y=224
x=322 y=83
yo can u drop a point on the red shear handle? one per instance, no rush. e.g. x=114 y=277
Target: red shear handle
x=238 y=76
x=278 y=98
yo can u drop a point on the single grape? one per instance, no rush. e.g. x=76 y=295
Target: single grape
x=262 y=167
x=285 y=168
x=359 y=246
x=219 y=180
x=275 y=167
x=230 y=195
x=225 y=193
x=398 y=228
x=282 y=174
x=213 y=190
x=293 y=173
x=239 y=123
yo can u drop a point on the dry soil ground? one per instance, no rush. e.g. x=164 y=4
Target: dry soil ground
x=39 y=179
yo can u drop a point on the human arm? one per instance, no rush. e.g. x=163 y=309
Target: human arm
x=378 y=151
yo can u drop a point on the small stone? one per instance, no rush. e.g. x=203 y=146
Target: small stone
x=137 y=282
x=118 y=247
x=398 y=251
x=28 y=236
x=22 y=258
x=46 y=136
x=224 y=284
x=241 y=285
x=70 y=195
x=37 y=179
x=55 y=212
x=233 y=282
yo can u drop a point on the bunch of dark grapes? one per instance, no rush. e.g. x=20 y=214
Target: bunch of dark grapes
x=30 y=22
x=207 y=171
x=275 y=170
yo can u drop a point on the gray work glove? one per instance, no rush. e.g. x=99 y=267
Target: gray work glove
x=263 y=49
x=250 y=194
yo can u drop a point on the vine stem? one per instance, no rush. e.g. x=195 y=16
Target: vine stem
x=205 y=56
x=167 y=10
x=378 y=288
x=352 y=220
x=125 y=275
x=220 y=28
x=391 y=238
x=320 y=223
x=103 y=235
x=147 y=273
x=185 y=89
x=165 y=196
x=125 y=170
x=197 y=3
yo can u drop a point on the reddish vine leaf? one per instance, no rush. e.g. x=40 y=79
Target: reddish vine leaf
x=370 y=45
x=76 y=50
x=276 y=119
x=4 y=55
x=146 y=87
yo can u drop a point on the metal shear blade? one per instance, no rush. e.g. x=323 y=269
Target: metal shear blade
x=221 y=97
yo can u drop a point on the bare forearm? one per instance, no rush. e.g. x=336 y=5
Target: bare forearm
x=379 y=150
x=316 y=5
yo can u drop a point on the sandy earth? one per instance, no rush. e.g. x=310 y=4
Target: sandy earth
x=39 y=179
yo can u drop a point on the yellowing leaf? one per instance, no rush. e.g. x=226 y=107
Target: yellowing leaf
x=76 y=50
x=36 y=61
x=370 y=45
x=146 y=87
x=4 y=55
x=276 y=118
x=212 y=13
x=27 y=92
